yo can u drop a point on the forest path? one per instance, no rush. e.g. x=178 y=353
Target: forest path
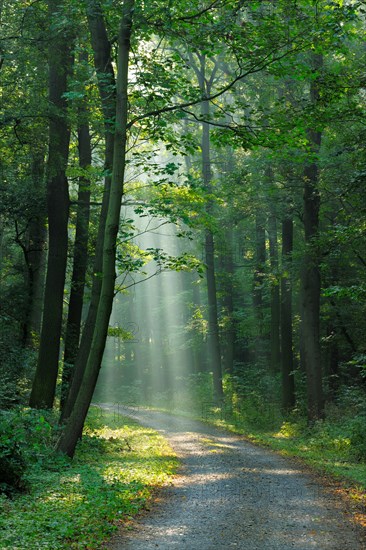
x=232 y=494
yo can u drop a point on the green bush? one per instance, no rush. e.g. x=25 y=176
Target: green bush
x=12 y=459
x=26 y=438
x=358 y=437
x=16 y=368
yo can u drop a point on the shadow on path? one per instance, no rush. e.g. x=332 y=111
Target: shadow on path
x=232 y=494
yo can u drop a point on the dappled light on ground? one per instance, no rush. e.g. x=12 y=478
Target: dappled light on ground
x=242 y=497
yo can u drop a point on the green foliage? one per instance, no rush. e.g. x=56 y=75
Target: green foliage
x=262 y=122
x=255 y=396
x=12 y=462
x=335 y=446
x=359 y=362
x=119 y=332
x=16 y=366
x=357 y=427
x=78 y=505
x=25 y=439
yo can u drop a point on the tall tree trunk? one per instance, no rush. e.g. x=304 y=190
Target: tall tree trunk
x=258 y=283
x=80 y=256
x=228 y=337
x=35 y=260
x=60 y=60
x=287 y=359
x=311 y=285
x=107 y=91
x=275 y=293
x=199 y=344
x=228 y=302
x=76 y=421
x=213 y=326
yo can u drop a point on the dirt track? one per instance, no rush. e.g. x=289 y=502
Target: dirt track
x=231 y=494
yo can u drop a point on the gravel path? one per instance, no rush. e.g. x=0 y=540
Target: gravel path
x=231 y=494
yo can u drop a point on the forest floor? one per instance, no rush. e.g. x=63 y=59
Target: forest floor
x=230 y=493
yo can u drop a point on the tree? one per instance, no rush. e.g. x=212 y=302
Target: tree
x=80 y=253
x=213 y=327
x=107 y=91
x=76 y=420
x=60 y=62
x=275 y=341
x=226 y=63
x=287 y=360
x=311 y=285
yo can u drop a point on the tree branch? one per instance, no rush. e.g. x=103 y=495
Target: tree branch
x=256 y=68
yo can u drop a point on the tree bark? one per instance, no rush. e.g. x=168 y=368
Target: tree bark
x=76 y=421
x=228 y=302
x=275 y=359
x=287 y=359
x=227 y=258
x=213 y=326
x=311 y=285
x=35 y=258
x=107 y=91
x=80 y=255
x=60 y=62
x=258 y=283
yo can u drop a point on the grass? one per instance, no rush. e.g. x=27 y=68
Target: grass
x=320 y=448
x=78 y=504
x=325 y=447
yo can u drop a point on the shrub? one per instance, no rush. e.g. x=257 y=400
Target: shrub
x=26 y=437
x=16 y=369
x=358 y=436
x=12 y=460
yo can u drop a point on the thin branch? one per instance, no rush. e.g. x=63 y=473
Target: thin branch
x=236 y=129
x=266 y=62
x=363 y=262
x=211 y=80
x=144 y=231
x=200 y=13
x=134 y=283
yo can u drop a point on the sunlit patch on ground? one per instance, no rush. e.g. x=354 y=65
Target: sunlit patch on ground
x=77 y=505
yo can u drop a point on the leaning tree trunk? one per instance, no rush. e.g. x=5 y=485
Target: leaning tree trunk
x=60 y=60
x=80 y=256
x=311 y=285
x=107 y=91
x=76 y=421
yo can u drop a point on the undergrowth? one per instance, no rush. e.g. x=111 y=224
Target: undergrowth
x=325 y=446
x=78 y=504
